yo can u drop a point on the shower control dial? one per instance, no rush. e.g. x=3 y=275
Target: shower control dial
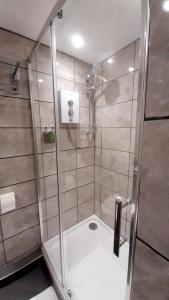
x=70 y=111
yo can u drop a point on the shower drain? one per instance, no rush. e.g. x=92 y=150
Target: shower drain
x=93 y=226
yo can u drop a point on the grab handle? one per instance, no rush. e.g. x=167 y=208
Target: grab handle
x=119 y=205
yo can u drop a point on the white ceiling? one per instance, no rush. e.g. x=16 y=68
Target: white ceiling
x=25 y=17
x=105 y=25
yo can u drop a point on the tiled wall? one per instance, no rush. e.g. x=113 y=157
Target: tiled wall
x=116 y=103
x=77 y=158
x=19 y=229
x=112 y=154
x=151 y=274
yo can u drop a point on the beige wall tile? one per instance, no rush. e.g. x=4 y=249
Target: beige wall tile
x=85 y=193
x=85 y=210
x=70 y=218
x=19 y=220
x=45 y=87
x=15 y=112
x=53 y=227
x=51 y=207
x=85 y=157
x=51 y=186
x=69 y=180
x=84 y=139
x=49 y=163
x=115 y=160
x=17 y=169
x=154 y=191
x=69 y=200
x=122 y=61
x=84 y=115
x=152 y=269
x=116 y=138
x=82 y=69
x=46 y=114
x=65 y=84
x=22 y=243
x=83 y=93
x=15 y=142
x=44 y=59
x=14 y=46
x=68 y=160
x=118 y=115
x=118 y=90
x=65 y=143
x=85 y=175
x=115 y=182
x=65 y=68
x=107 y=205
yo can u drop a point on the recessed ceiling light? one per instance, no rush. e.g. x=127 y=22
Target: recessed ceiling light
x=57 y=63
x=166 y=5
x=40 y=80
x=110 y=60
x=77 y=41
x=131 y=69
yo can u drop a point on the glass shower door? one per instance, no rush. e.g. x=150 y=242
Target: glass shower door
x=41 y=78
x=96 y=150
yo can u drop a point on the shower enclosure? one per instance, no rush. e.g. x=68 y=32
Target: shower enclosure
x=83 y=74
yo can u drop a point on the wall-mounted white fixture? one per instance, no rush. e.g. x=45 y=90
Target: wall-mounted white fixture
x=69 y=107
x=131 y=69
x=77 y=41
x=7 y=202
x=166 y=6
x=110 y=60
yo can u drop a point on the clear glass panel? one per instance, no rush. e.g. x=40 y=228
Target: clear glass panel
x=44 y=123
x=97 y=57
x=97 y=77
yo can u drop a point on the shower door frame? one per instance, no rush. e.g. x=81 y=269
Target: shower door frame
x=51 y=21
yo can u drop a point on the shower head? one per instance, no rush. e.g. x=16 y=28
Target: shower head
x=97 y=69
x=96 y=74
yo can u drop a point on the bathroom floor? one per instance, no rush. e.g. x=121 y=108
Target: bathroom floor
x=24 y=288
x=48 y=294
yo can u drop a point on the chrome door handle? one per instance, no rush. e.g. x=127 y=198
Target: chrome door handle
x=119 y=205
